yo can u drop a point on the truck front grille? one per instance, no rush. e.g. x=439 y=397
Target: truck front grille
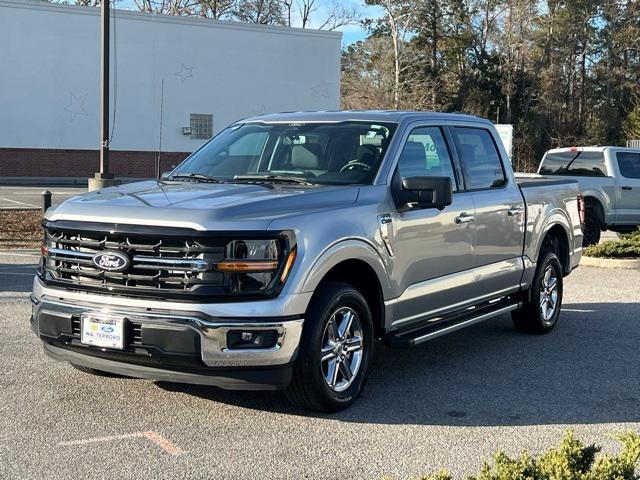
x=160 y=261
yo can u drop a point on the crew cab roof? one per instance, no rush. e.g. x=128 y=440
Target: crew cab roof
x=592 y=149
x=382 y=116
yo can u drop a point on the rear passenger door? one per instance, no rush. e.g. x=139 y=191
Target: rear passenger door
x=499 y=212
x=628 y=208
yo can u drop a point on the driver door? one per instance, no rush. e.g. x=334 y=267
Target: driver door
x=434 y=248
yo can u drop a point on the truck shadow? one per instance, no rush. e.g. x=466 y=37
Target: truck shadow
x=586 y=371
x=16 y=277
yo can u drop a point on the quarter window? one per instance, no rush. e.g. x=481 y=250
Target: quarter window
x=425 y=154
x=480 y=159
x=629 y=164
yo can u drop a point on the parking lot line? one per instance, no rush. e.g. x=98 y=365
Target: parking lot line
x=18 y=202
x=154 y=437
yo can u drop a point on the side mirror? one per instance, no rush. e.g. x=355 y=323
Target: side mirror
x=422 y=192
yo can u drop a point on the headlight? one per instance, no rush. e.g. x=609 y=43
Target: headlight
x=256 y=266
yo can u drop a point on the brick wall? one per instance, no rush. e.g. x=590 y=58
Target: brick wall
x=35 y=162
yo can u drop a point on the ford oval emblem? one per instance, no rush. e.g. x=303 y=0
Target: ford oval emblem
x=112 y=261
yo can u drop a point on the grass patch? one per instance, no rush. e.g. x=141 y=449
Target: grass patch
x=571 y=460
x=20 y=228
x=628 y=246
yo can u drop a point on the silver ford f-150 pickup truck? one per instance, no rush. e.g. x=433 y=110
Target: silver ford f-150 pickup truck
x=278 y=252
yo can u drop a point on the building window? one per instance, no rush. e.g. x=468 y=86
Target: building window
x=201 y=126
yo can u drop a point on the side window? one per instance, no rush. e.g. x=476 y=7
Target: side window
x=629 y=164
x=425 y=154
x=480 y=159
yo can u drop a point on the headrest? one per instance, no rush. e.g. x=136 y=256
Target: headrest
x=306 y=157
x=367 y=154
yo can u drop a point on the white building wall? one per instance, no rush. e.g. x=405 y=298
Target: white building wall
x=50 y=75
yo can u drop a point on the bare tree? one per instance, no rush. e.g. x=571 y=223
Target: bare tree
x=266 y=12
x=319 y=15
x=168 y=7
x=216 y=9
x=399 y=18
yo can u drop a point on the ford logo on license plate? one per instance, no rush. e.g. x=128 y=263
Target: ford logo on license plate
x=112 y=261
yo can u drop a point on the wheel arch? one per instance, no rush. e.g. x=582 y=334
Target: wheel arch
x=358 y=264
x=592 y=198
x=556 y=235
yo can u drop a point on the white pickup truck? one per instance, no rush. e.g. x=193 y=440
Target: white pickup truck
x=609 y=179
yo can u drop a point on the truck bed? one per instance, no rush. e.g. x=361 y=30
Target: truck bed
x=527 y=180
x=550 y=198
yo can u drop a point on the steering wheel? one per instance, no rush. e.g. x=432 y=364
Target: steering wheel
x=355 y=165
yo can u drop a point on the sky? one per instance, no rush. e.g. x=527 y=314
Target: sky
x=350 y=33
x=354 y=32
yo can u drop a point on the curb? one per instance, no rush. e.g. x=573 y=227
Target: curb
x=620 y=263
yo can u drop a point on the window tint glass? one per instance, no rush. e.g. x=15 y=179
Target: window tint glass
x=479 y=157
x=629 y=164
x=251 y=144
x=582 y=164
x=426 y=155
x=344 y=153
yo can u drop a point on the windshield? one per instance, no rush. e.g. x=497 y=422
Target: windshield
x=318 y=153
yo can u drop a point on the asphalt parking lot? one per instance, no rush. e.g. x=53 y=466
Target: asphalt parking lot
x=447 y=404
x=20 y=197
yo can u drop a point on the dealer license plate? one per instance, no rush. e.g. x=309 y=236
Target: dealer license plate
x=102 y=330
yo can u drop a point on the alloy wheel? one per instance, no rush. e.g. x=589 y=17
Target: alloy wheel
x=549 y=295
x=342 y=349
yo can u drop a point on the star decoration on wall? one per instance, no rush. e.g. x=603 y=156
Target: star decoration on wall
x=321 y=90
x=185 y=72
x=76 y=106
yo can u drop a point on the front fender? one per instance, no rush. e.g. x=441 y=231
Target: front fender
x=348 y=249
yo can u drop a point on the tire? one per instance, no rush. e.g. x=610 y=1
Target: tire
x=592 y=227
x=534 y=316
x=93 y=371
x=324 y=336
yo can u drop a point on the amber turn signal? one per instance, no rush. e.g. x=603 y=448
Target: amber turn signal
x=236 y=266
x=287 y=266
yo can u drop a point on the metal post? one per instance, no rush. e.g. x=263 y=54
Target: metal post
x=46 y=200
x=104 y=90
x=104 y=178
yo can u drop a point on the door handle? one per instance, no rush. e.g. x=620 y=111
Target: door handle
x=627 y=188
x=464 y=218
x=512 y=212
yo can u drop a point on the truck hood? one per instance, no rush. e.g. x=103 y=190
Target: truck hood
x=202 y=206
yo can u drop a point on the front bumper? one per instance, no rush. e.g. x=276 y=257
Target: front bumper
x=171 y=345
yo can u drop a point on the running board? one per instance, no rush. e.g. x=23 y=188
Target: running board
x=424 y=334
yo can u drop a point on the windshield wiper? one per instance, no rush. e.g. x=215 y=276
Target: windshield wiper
x=199 y=177
x=272 y=178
